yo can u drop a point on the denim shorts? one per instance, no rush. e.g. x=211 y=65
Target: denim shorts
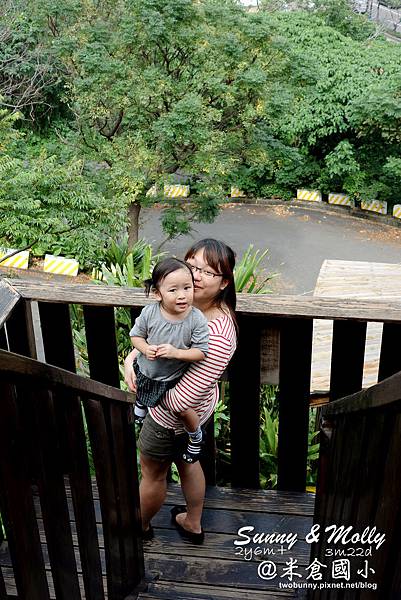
x=161 y=443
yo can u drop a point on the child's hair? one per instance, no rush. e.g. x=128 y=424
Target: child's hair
x=161 y=270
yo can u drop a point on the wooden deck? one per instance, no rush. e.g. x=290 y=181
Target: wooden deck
x=345 y=279
x=178 y=570
x=42 y=436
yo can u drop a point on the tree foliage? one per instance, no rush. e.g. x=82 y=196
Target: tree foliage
x=120 y=96
x=169 y=90
x=50 y=205
x=347 y=113
x=30 y=73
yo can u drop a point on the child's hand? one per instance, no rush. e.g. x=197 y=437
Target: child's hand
x=166 y=351
x=151 y=352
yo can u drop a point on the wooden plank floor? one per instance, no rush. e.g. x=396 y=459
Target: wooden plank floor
x=351 y=279
x=178 y=570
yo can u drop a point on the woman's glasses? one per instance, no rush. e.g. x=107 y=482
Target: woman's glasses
x=207 y=274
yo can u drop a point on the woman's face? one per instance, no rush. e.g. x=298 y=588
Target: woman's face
x=208 y=282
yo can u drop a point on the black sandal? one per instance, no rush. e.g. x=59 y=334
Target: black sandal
x=195 y=538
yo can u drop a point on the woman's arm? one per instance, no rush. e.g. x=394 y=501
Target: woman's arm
x=129 y=373
x=200 y=378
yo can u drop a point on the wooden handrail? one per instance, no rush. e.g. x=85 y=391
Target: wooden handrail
x=384 y=393
x=8 y=299
x=291 y=317
x=386 y=311
x=15 y=364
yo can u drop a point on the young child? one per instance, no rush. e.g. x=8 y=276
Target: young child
x=169 y=335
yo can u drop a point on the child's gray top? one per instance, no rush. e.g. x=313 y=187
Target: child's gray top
x=191 y=332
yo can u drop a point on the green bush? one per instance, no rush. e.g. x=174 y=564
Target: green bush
x=249 y=276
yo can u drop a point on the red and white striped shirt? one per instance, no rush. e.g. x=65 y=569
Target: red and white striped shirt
x=198 y=387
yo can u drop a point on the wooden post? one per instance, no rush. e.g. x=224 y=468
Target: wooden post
x=3 y=339
x=17 y=505
x=294 y=391
x=53 y=499
x=21 y=337
x=244 y=380
x=390 y=355
x=349 y=338
x=114 y=454
x=58 y=348
x=57 y=335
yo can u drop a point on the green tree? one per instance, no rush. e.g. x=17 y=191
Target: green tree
x=31 y=77
x=142 y=93
x=165 y=91
x=50 y=205
x=345 y=111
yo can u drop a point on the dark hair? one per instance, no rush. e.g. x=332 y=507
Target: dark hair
x=161 y=270
x=222 y=259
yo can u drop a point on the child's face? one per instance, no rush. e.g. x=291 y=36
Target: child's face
x=176 y=291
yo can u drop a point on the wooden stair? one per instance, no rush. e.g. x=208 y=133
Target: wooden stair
x=178 y=570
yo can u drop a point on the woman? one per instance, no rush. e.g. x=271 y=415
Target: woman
x=162 y=438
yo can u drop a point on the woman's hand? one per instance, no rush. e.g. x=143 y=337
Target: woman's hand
x=129 y=373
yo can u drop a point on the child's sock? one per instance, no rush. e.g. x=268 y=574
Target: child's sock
x=140 y=411
x=192 y=452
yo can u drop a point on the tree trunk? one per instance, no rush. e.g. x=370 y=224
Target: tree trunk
x=133 y=226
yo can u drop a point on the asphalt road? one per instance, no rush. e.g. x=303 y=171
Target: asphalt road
x=299 y=240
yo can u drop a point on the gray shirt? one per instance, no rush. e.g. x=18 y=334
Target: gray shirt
x=191 y=332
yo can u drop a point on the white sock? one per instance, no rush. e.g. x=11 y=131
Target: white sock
x=140 y=410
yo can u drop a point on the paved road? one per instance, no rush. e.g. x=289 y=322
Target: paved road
x=299 y=239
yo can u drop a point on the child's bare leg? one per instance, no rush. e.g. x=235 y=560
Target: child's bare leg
x=190 y=420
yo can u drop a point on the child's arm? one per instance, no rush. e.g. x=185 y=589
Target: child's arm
x=189 y=355
x=146 y=349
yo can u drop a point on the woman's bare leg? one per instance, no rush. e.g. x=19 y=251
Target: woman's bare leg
x=193 y=488
x=152 y=489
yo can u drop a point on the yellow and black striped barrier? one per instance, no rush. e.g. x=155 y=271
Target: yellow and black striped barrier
x=17 y=261
x=309 y=195
x=176 y=191
x=60 y=265
x=237 y=193
x=379 y=206
x=397 y=211
x=339 y=199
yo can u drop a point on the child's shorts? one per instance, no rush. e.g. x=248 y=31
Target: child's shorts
x=149 y=392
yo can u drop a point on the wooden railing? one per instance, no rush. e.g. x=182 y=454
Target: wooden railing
x=44 y=411
x=360 y=487
x=42 y=429
x=288 y=318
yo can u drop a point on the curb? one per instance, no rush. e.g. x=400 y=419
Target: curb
x=322 y=207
